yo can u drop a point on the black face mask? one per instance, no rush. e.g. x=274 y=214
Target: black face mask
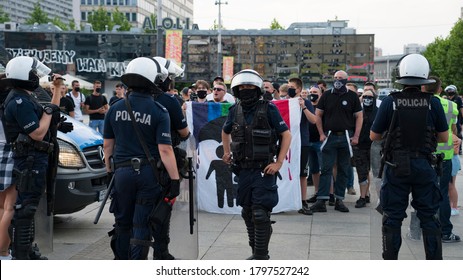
x=267 y=96
x=313 y=97
x=201 y=94
x=98 y=90
x=291 y=92
x=367 y=101
x=249 y=98
x=340 y=85
x=77 y=89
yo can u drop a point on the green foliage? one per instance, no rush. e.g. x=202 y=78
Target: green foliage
x=215 y=26
x=3 y=16
x=38 y=15
x=120 y=19
x=56 y=21
x=446 y=57
x=72 y=25
x=100 y=19
x=275 y=25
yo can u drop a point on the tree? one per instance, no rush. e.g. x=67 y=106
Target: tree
x=56 y=21
x=215 y=26
x=445 y=56
x=100 y=20
x=120 y=19
x=72 y=25
x=275 y=25
x=38 y=15
x=3 y=16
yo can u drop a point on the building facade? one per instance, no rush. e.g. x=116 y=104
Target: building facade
x=309 y=53
x=20 y=10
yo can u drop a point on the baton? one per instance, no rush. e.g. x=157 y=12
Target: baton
x=105 y=199
x=191 y=195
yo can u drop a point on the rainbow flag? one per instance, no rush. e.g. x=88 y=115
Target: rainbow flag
x=205 y=121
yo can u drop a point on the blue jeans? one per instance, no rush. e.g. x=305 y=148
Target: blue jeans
x=336 y=149
x=444 y=206
x=97 y=125
x=315 y=157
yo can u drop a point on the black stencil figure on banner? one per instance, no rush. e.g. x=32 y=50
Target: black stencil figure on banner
x=223 y=179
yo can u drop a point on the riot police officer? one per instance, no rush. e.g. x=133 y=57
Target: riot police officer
x=179 y=132
x=28 y=128
x=136 y=186
x=255 y=125
x=415 y=122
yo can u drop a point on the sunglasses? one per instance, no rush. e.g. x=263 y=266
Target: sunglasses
x=218 y=89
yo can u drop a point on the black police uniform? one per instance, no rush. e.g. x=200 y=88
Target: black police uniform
x=136 y=188
x=257 y=192
x=22 y=116
x=419 y=117
x=177 y=122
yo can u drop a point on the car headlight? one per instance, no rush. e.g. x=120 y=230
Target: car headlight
x=69 y=157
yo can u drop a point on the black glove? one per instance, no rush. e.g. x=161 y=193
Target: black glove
x=64 y=126
x=109 y=177
x=173 y=190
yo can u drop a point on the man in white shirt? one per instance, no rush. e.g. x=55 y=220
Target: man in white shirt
x=78 y=99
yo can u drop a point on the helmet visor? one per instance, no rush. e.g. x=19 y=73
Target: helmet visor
x=41 y=69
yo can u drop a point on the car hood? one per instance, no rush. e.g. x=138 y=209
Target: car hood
x=82 y=135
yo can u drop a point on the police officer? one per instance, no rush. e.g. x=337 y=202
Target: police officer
x=136 y=187
x=255 y=125
x=27 y=126
x=179 y=132
x=415 y=122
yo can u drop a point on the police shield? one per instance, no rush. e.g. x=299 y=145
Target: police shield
x=375 y=215
x=184 y=222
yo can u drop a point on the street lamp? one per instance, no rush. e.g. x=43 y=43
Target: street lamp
x=159 y=29
x=219 y=39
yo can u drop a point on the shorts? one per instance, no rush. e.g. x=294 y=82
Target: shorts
x=6 y=166
x=456 y=165
x=304 y=161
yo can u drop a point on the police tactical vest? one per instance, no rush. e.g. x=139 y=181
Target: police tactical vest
x=254 y=145
x=413 y=134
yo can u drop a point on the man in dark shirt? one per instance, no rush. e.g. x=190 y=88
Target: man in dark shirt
x=342 y=117
x=66 y=104
x=96 y=106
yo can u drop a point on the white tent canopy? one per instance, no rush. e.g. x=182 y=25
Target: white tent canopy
x=68 y=80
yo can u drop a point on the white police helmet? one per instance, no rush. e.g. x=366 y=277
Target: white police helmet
x=451 y=88
x=144 y=72
x=413 y=70
x=25 y=72
x=247 y=77
x=173 y=69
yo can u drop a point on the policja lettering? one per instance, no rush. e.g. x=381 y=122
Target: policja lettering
x=125 y=117
x=407 y=102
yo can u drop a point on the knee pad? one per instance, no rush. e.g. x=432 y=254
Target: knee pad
x=26 y=210
x=246 y=213
x=260 y=214
x=120 y=239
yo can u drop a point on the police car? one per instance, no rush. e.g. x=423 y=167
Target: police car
x=81 y=174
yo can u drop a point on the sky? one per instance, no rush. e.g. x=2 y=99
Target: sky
x=395 y=23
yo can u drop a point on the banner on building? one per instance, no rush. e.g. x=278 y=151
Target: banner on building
x=216 y=184
x=174 y=46
x=227 y=68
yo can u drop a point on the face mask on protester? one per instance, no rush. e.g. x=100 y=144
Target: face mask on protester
x=98 y=90
x=367 y=101
x=77 y=88
x=313 y=97
x=340 y=84
x=201 y=94
x=291 y=92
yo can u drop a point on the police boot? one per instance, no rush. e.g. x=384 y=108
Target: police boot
x=391 y=243
x=161 y=244
x=415 y=228
x=263 y=231
x=139 y=249
x=21 y=238
x=34 y=253
x=246 y=214
x=432 y=244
